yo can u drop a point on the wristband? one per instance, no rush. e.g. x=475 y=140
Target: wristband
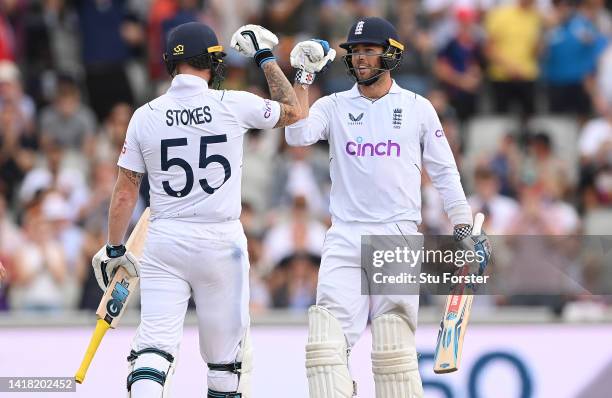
x=303 y=77
x=462 y=231
x=264 y=55
x=115 y=251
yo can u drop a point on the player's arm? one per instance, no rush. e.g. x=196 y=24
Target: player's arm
x=123 y=201
x=114 y=254
x=282 y=92
x=257 y=42
x=2 y=272
x=308 y=58
x=441 y=167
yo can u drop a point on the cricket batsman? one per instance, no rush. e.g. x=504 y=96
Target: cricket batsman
x=189 y=142
x=380 y=136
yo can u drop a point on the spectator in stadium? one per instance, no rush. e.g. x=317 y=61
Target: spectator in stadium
x=297 y=291
x=51 y=47
x=55 y=175
x=101 y=182
x=95 y=235
x=513 y=36
x=17 y=150
x=69 y=236
x=105 y=53
x=542 y=165
x=297 y=174
x=500 y=211
x=506 y=163
x=595 y=146
x=7 y=39
x=300 y=233
x=458 y=64
x=603 y=81
x=11 y=93
x=260 y=299
x=571 y=50
x=10 y=235
x=110 y=137
x=40 y=268
x=68 y=122
x=596 y=140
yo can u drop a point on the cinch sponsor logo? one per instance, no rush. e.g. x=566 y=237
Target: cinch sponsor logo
x=268 y=109
x=362 y=149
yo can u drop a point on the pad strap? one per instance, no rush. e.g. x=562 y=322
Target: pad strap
x=234 y=367
x=219 y=394
x=146 y=374
x=135 y=354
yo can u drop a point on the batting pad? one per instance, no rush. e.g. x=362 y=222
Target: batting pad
x=326 y=356
x=394 y=358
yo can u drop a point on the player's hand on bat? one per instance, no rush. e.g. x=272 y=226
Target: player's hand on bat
x=478 y=243
x=107 y=260
x=249 y=40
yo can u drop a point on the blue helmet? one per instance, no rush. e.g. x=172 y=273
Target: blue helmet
x=378 y=31
x=196 y=44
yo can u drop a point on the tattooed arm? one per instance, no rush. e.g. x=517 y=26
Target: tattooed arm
x=125 y=196
x=282 y=92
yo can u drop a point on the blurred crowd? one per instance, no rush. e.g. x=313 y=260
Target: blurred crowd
x=73 y=71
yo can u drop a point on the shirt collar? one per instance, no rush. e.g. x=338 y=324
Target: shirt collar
x=184 y=85
x=354 y=92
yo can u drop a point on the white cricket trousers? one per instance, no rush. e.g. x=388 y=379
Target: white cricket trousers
x=206 y=261
x=339 y=284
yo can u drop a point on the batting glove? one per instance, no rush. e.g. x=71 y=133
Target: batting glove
x=478 y=244
x=255 y=41
x=309 y=58
x=106 y=261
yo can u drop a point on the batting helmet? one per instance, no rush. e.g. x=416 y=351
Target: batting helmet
x=378 y=31
x=196 y=44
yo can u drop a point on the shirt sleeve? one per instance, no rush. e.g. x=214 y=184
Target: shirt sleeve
x=440 y=164
x=313 y=128
x=131 y=155
x=252 y=111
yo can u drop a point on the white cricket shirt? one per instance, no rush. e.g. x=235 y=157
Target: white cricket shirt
x=189 y=141
x=377 y=150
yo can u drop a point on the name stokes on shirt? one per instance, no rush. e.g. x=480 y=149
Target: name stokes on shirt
x=188 y=117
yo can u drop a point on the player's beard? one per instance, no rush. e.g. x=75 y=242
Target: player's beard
x=364 y=71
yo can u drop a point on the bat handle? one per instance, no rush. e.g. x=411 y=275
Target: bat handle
x=478 y=221
x=101 y=327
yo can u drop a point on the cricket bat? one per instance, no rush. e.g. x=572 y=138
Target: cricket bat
x=455 y=320
x=115 y=299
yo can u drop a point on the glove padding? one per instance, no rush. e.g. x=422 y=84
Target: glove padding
x=309 y=58
x=312 y=55
x=105 y=267
x=249 y=39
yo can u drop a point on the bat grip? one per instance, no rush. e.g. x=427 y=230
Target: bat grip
x=478 y=221
x=101 y=327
